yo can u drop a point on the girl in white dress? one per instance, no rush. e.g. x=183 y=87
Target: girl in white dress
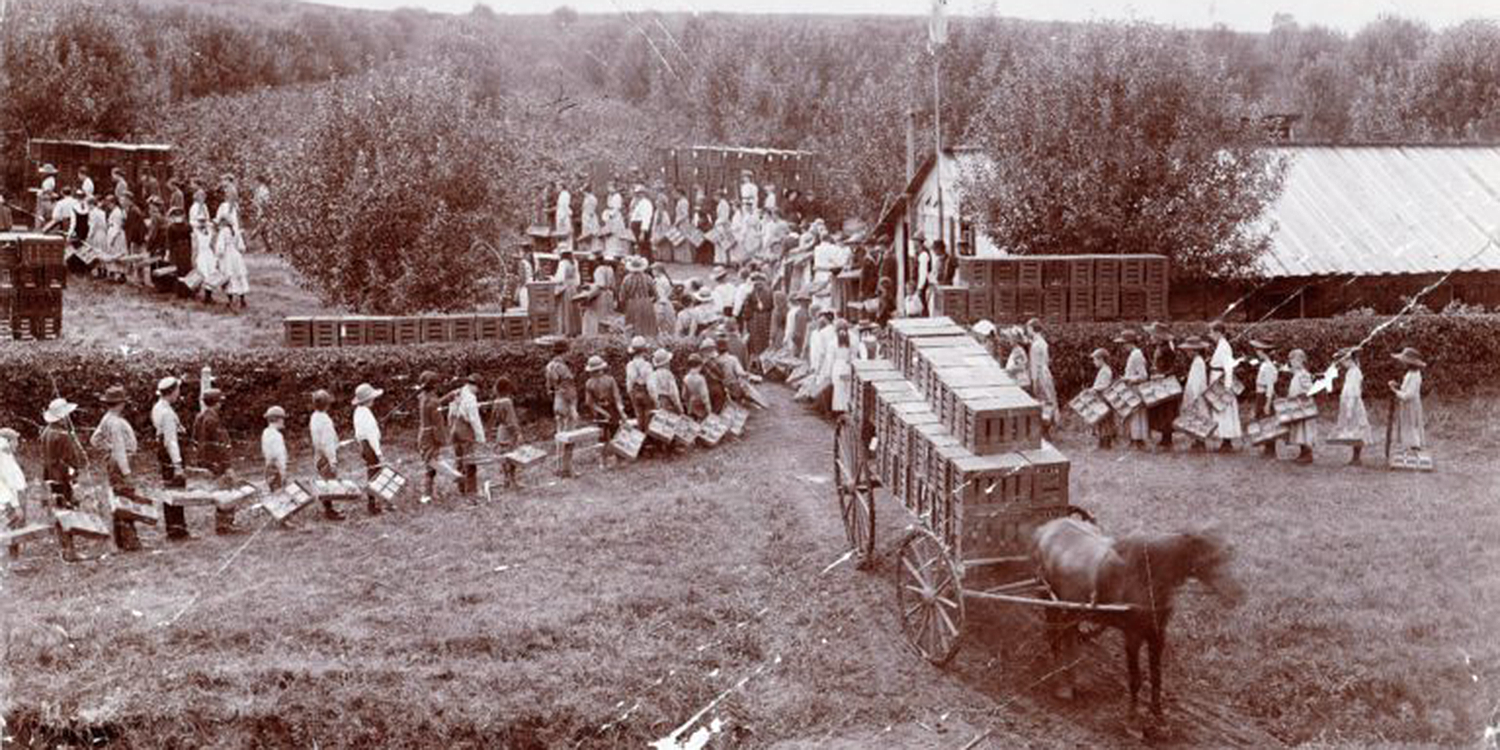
x=231 y=252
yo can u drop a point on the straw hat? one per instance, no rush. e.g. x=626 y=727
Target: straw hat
x=694 y=360
x=708 y=343
x=1296 y=355
x=58 y=410
x=636 y=264
x=1409 y=356
x=1127 y=336
x=365 y=393
x=638 y=344
x=167 y=384
x=47 y=169
x=661 y=358
x=596 y=363
x=984 y=328
x=1261 y=345
x=1193 y=342
x=718 y=273
x=275 y=412
x=702 y=296
x=114 y=395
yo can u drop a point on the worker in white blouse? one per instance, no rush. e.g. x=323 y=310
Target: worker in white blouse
x=367 y=434
x=325 y=445
x=169 y=453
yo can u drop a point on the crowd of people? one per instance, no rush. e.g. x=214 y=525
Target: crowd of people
x=154 y=224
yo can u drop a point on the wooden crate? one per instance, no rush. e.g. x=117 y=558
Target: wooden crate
x=1081 y=272
x=1080 y=303
x=489 y=327
x=1217 y=395
x=1000 y=531
x=407 y=330
x=1265 y=430
x=1056 y=272
x=35 y=327
x=1156 y=304
x=981 y=303
x=298 y=331
x=1089 y=406
x=516 y=324
x=1133 y=271
x=1004 y=272
x=1133 y=303
x=1006 y=419
x=1106 y=272
x=974 y=273
x=540 y=325
x=1028 y=272
x=1106 y=302
x=1005 y=303
x=387 y=484
x=335 y=489
x=83 y=524
x=1293 y=409
x=1055 y=304
x=627 y=442
x=353 y=330
x=130 y=510
x=1158 y=272
x=663 y=426
x=951 y=302
x=1000 y=479
x=436 y=329
x=540 y=297
x=712 y=430
x=1049 y=475
x=380 y=331
x=1412 y=460
x=463 y=327
x=42 y=250
x=1159 y=389
x=1195 y=423
x=1122 y=398
x=325 y=332
x=1028 y=302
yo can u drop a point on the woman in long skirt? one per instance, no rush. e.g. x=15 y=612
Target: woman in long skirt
x=1227 y=421
x=758 y=313
x=1409 y=431
x=231 y=251
x=591 y=235
x=666 y=314
x=1354 y=421
x=1017 y=363
x=1041 y=374
x=1136 y=372
x=565 y=315
x=638 y=297
x=1305 y=433
x=1196 y=385
x=1105 y=429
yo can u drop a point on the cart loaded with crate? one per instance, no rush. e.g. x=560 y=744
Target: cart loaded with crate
x=941 y=426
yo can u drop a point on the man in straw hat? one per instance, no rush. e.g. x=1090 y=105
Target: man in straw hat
x=367 y=434
x=116 y=438
x=637 y=381
x=1227 y=420
x=1163 y=365
x=1354 y=421
x=62 y=458
x=273 y=448
x=213 y=452
x=641 y=214
x=325 y=444
x=1408 y=428
x=715 y=377
x=169 y=453
x=602 y=402
x=1266 y=375
x=467 y=430
x=1136 y=371
x=664 y=384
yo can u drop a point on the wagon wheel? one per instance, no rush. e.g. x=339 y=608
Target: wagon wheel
x=851 y=478
x=929 y=597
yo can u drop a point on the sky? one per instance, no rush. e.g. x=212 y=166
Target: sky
x=1245 y=15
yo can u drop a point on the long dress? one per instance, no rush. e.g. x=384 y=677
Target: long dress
x=1019 y=367
x=1354 y=421
x=565 y=316
x=1303 y=433
x=1136 y=372
x=758 y=314
x=1041 y=377
x=590 y=238
x=1228 y=420
x=841 y=373
x=231 y=247
x=666 y=315
x=1194 y=388
x=562 y=222
x=206 y=270
x=1104 y=428
x=597 y=310
x=638 y=295
x=778 y=318
x=1409 y=430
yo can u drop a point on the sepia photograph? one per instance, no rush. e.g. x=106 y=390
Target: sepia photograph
x=765 y=374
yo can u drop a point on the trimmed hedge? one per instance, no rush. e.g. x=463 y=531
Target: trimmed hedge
x=1461 y=351
x=254 y=379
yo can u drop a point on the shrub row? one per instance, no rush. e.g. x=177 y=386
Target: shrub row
x=255 y=379
x=1460 y=350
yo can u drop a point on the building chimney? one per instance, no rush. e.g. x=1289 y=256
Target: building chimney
x=911 y=145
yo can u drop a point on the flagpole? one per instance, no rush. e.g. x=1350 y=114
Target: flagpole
x=937 y=135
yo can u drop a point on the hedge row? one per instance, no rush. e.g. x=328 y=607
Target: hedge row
x=254 y=379
x=1461 y=351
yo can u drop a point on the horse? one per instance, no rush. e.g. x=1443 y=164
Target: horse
x=1143 y=571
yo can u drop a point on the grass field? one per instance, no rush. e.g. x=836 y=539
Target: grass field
x=606 y=611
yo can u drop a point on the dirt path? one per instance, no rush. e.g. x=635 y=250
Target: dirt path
x=998 y=683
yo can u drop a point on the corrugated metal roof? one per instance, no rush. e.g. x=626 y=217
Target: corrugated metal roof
x=1372 y=210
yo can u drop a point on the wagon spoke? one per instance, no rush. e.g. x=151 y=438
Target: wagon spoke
x=953 y=629
x=946 y=601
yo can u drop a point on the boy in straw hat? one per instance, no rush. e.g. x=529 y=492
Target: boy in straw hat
x=1266 y=376
x=1302 y=434
x=602 y=401
x=116 y=438
x=663 y=383
x=1354 y=421
x=62 y=458
x=467 y=430
x=273 y=448
x=637 y=381
x=12 y=484
x=1104 y=429
x=169 y=453
x=325 y=445
x=563 y=387
x=367 y=434
x=1409 y=430
x=715 y=377
x=213 y=451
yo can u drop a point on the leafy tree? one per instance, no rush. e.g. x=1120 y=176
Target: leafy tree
x=1457 y=82
x=1122 y=138
x=395 y=178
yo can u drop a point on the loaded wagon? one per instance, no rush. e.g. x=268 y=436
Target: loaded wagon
x=939 y=425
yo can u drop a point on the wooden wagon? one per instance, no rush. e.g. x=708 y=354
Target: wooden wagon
x=970 y=468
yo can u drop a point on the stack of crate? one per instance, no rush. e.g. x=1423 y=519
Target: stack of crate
x=378 y=330
x=33 y=275
x=1057 y=288
x=714 y=167
x=956 y=438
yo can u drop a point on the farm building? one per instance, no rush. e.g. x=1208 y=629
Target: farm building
x=1355 y=227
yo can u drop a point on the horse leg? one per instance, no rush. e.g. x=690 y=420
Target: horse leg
x=1133 y=665
x=1154 y=644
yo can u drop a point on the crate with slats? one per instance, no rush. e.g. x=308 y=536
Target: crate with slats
x=973 y=272
x=918 y=349
x=1004 y=419
x=1056 y=272
x=1132 y=271
x=1106 y=302
x=981 y=304
x=987 y=531
x=1264 y=430
x=1028 y=272
x=1055 y=304
x=387 y=484
x=540 y=298
x=925 y=374
x=1049 y=474
x=325 y=332
x=463 y=327
x=489 y=327
x=905 y=330
x=1122 y=397
x=297 y=331
x=951 y=302
x=516 y=324
x=1089 y=406
x=1412 y=460
x=1080 y=272
x=1132 y=303
x=1004 y=273
x=1157 y=273
x=1156 y=303
x=1029 y=302
x=354 y=330
x=1080 y=304
x=1005 y=303
x=1106 y=272
x=407 y=330
x=380 y=331
x=1159 y=389
x=1294 y=409
x=540 y=325
x=1001 y=479
x=436 y=329
x=34 y=327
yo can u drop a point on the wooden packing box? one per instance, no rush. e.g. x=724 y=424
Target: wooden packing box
x=1106 y=272
x=883 y=395
x=1158 y=272
x=380 y=331
x=298 y=331
x=287 y=501
x=950 y=406
x=1006 y=420
x=42 y=250
x=1132 y=271
x=1106 y=302
x=35 y=327
x=227 y=498
x=713 y=429
x=336 y=489
x=1028 y=272
x=974 y=273
x=1080 y=303
x=1028 y=302
x=353 y=330
x=463 y=327
x=738 y=417
x=1005 y=303
x=1004 y=272
x=325 y=332
x=436 y=329
x=1159 y=389
x=1218 y=396
x=1089 y=406
x=1055 y=304
x=1081 y=272
x=1346 y=438
x=491 y=327
x=387 y=484
x=406 y=330
x=627 y=442
x=130 y=510
x=83 y=524
x=1132 y=303
x=1049 y=471
x=540 y=325
x=516 y=323
x=16 y=536
x=1264 y=430
x=1122 y=397
x=540 y=298
x=924 y=439
x=1293 y=409
x=981 y=304
x=1000 y=479
x=1000 y=531
x=1056 y=272
x=930 y=363
x=663 y=426
x=952 y=302
x=580 y=436
x=687 y=432
x=1194 y=423
x=525 y=456
x=922 y=348
x=1412 y=460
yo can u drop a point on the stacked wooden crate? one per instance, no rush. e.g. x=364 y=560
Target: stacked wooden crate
x=378 y=330
x=714 y=167
x=1057 y=288
x=32 y=278
x=957 y=439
